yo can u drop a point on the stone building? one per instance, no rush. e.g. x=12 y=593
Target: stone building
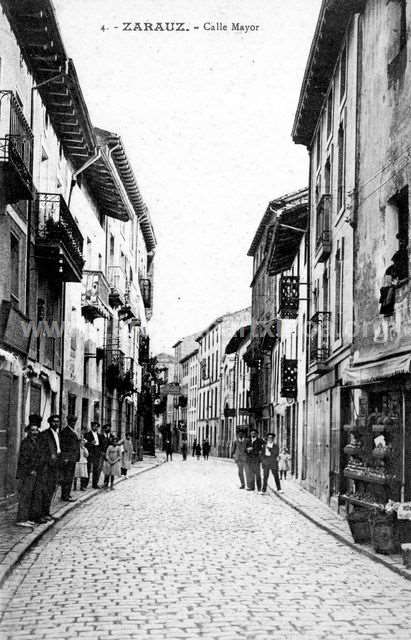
x=60 y=195
x=326 y=122
x=212 y=344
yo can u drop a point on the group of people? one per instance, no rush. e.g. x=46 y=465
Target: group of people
x=199 y=449
x=252 y=454
x=62 y=456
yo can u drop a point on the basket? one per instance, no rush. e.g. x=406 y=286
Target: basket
x=359 y=524
x=384 y=533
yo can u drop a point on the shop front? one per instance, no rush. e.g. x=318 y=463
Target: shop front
x=376 y=485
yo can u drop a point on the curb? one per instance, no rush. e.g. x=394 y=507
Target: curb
x=14 y=556
x=403 y=572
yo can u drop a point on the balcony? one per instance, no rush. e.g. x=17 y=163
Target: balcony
x=319 y=341
x=94 y=296
x=289 y=297
x=118 y=285
x=323 y=229
x=59 y=243
x=16 y=150
x=288 y=378
x=129 y=311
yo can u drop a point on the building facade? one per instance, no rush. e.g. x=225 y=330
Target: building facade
x=212 y=344
x=63 y=189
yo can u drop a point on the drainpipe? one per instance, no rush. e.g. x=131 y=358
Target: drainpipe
x=85 y=166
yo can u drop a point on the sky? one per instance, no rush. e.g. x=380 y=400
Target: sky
x=206 y=119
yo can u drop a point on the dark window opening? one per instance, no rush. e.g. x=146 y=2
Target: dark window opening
x=14 y=266
x=343 y=74
x=71 y=404
x=341 y=168
x=329 y=114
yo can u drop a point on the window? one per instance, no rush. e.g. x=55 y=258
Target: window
x=14 y=266
x=84 y=413
x=327 y=176
x=71 y=404
x=318 y=148
x=343 y=74
x=111 y=250
x=341 y=168
x=85 y=371
x=35 y=399
x=330 y=113
x=339 y=288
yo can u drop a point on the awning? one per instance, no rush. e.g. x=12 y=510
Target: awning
x=360 y=375
x=237 y=340
x=288 y=233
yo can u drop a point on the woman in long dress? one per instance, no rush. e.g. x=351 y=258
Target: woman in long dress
x=112 y=461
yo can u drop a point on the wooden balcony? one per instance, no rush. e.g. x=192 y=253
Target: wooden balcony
x=115 y=369
x=59 y=243
x=319 y=341
x=94 y=295
x=16 y=150
x=288 y=377
x=323 y=228
x=289 y=297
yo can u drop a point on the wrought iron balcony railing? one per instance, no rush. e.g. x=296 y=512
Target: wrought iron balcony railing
x=94 y=295
x=58 y=238
x=288 y=377
x=118 y=283
x=130 y=309
x=289 y=297
x=16 y=149
x=323 y=228
x=144 y=349
x=320 y=337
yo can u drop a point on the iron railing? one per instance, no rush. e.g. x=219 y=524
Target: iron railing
x=55 y=224
x=117 y=280
x=320 y=337
x=16 y=144
x=95 y=293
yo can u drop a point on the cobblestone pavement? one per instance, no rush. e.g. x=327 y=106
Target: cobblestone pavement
x=181 y=553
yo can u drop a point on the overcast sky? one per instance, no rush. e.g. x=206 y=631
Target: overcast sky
x=206 y=120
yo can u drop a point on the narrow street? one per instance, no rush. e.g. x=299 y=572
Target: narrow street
x=180 y=552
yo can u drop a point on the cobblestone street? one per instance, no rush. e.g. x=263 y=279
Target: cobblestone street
x=180 y=553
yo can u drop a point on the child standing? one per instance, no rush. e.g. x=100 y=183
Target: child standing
x=198 y=451
x=112 y=460
x=283 y=463
x=127 y=454
x=80 y=470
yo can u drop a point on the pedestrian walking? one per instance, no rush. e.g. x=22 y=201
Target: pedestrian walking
x=169 y=450
x=252 y=469
x=80 y=471
x=269 y=461
x=70 y=454
x=284 y=463
x=112 y=461
x=94 y=446
x=240 y=456
x=184 y=450
x=198 y=451
x=47 y=477
x=126 y=455
x=193 y=452
x=28 y=466
x=206 y=449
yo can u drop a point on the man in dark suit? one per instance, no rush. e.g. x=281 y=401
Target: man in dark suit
x=252 y=469
x=28 y=466
x=93 y=445
x=50 y=453
x=70 y=454
x=269 y=461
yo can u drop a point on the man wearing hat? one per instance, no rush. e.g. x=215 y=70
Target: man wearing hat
x=50 y=452
x=28 y=466
x=93 y=444
x=253 y=449
x=70 y=454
